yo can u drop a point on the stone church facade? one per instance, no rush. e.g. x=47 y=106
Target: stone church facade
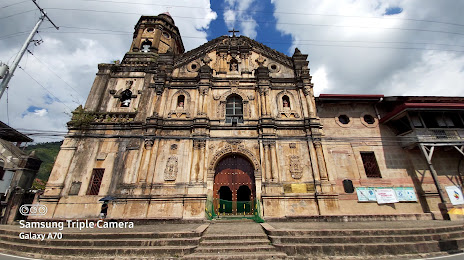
x=166 y=132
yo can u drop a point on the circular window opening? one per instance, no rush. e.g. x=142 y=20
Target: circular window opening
x=166 y=35
x=150 y=29
x=369 y=119
x=344 y=119
x=193 y=66
x=273 y=67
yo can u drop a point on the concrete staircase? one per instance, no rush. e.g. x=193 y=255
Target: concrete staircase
x=235 y=239
x=245 y=239
x=368 y=243
x=106 y=245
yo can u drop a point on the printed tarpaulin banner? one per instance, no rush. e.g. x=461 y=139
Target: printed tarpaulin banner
x=455 y=195
x=385 y=195
x=402 y=194
x=405 y=194
x=366 y=194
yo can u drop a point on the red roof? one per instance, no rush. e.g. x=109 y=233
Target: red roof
x=349 y=96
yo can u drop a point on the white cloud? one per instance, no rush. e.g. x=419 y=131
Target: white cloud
x=40 y=112
x=436 y=74
x=75 y=56
x=229 y=18
x=240 y=11
x=373 y=64
x=320 y=80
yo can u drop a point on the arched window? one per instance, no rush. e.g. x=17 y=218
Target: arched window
x=180 y=101
x=286 y=102
x=125 y=98
x=234 y=109
x=146 y=46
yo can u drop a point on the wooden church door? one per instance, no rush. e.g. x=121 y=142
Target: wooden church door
x=234 y=186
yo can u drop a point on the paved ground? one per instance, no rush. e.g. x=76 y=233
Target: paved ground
x=363 y=225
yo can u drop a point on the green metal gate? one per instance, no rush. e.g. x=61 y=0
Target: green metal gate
x=217 y=209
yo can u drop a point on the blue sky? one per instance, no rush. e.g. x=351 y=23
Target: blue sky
x=390 y=47
x=266 y=25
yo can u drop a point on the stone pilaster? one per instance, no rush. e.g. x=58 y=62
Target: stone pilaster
x=320 y=160
x=199 y=159
x=145 y=161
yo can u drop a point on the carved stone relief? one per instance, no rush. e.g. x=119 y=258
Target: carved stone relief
x=170 y=173
x=295 y=166
x=236 y=148
x=199 y=144
x=148 y=143
x=129 y=83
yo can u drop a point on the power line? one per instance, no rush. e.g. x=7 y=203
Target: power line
x=4 y=17
x=57 y=99
x=29 y=39
x=14 y=4
x=280 y=12
x=13 y=34
x=267 y=22
x=262 y=22
x=310 y=44
x=299 y=40
x=18 y=34
x=58 y=76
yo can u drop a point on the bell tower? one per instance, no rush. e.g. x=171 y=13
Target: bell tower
x=157 y=34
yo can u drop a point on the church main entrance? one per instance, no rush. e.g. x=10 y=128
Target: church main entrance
x=234 y=186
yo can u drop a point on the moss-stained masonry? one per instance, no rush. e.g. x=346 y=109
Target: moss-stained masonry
x=159 y=153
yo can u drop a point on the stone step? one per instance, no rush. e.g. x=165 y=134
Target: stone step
x=248 y=242
x=109 y=235
x=222 y=237
x=231 y=220
x=365 y=232
x=230 y=249
x=92 y=251
x=237 y=255
x=364 y=239
x=354 y=249
x=106 y=242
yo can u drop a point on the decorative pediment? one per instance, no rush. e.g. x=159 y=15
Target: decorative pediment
x=236 y=48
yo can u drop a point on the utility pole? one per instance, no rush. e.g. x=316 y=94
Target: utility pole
x=8 y=73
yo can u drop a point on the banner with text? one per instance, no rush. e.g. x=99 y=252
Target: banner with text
x=392 y=194
x=385 y=195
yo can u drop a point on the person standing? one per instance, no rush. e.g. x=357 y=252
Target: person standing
x=104 y=210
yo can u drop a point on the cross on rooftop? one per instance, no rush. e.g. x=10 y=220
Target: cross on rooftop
x=233 y=31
